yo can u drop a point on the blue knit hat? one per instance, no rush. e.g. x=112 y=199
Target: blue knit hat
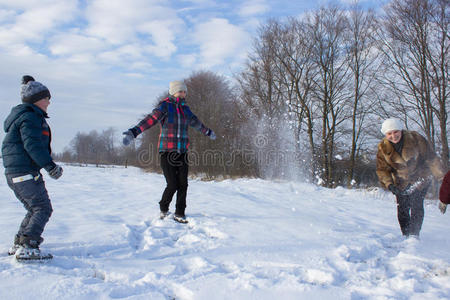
x=33 y=91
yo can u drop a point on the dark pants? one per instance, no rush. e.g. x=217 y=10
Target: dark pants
x=410 y=212
x=34 y=197
x=175 y=167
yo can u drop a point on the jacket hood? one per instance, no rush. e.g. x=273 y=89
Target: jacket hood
x=19 y=110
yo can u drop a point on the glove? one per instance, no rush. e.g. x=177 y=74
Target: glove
x=442 y=207
x=56 y=172
x=128 y=138
x=211 y=134
x=394 y=190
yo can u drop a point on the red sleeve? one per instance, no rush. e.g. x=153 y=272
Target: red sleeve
x=444 y=192
x=151 y=119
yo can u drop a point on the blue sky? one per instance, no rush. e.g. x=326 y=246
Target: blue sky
x=105 y=61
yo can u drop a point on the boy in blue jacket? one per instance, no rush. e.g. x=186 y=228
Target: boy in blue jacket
x=25 y=150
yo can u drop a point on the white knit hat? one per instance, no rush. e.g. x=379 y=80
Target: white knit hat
x=391 y=124
x=176 y=86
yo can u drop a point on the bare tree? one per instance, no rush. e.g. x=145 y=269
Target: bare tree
x=96 y=148
x=329 y=27
x=438 y=57
x=291 y=47
x=212 y=99
x=264 y=100
x=257 y=81
x=362 y=62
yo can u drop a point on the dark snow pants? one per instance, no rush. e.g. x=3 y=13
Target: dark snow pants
x=410 y=212
x=175 y=167
x=34 y=197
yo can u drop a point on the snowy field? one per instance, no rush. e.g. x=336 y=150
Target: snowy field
x=247 y=239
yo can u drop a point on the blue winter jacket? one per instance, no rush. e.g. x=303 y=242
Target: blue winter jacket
x=26 y=146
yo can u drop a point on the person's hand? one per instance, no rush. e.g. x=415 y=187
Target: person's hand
x=394 y=190
x=212 y=135
x=128 y=138
x=442 y=207
x=56 y=172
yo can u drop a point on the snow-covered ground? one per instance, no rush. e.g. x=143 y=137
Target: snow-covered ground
x=247 y=239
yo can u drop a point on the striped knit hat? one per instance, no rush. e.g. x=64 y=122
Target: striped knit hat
x=33 y=91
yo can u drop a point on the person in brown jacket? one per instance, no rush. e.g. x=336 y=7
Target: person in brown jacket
x=406 y=164
x=444 y=193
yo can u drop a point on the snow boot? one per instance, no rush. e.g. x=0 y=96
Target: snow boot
x=29 y=250
x=163 y=214
x=180 y=219
x=27 y=253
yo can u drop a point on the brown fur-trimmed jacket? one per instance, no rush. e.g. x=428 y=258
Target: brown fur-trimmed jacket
x=413 y=167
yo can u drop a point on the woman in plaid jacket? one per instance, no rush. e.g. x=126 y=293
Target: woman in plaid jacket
x=174 y=117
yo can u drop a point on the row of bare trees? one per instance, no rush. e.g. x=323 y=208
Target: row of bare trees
x=93 y=148
x=311 y=97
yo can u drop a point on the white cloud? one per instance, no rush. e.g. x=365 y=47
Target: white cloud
x=134 y=75
x=7 y=15
x=36 y=21
x=19 y=50
x=253 y=7
x=121 y=22
x=219 y=40
x=26 y=4
x=67 y=43
x=113 y=20
x=81 y=59
x=122 y=55
x=163 y=38
x=187 y=60
x=140 y=66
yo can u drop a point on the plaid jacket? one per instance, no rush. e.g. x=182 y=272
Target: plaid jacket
x=174 y=118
